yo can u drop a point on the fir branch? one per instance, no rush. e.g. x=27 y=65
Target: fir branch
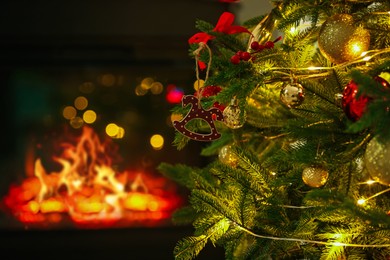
x=189 y=247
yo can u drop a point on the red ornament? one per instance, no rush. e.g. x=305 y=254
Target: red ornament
x=354 y=107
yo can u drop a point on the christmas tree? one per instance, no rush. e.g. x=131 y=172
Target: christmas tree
x=293 y=109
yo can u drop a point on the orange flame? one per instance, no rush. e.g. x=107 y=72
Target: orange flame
x=89 y=191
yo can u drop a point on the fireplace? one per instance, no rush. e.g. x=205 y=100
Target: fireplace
x=81 y=100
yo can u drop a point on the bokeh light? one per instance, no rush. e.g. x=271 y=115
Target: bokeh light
x=81 y=103
x=198 y=84
x=76 y=122
x=112 y=129
x=157 y=141
x=89 y=116
x=69 y=112
x=174 y=94
x=156 y=88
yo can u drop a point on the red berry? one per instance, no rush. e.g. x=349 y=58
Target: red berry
x=245 y=55
x=239 y=53
x=255 y=45
x=269 y=45
x=235 y=59
x=261 y=47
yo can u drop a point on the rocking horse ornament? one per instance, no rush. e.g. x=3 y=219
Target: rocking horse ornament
x=197 y=112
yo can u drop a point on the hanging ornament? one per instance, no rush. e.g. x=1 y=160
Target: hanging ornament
x=354 y=107
x=292 y=94
x=197 y=112
x=377 y=161
x=227 y=156
x=339 y=40
x=233 y=117
x=315 y=176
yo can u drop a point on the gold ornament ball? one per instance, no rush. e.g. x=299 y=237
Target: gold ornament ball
x=227 y=156
x=377 y=160
x=340 y=40
x=315 y=176
x=233 y=117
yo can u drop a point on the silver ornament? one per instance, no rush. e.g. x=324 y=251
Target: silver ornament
x=233 y=117
x=377 y=160
x=292 y=94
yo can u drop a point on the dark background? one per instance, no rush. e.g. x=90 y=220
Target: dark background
x=47 y=49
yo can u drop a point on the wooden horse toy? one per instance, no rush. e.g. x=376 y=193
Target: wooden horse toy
x=197 y=112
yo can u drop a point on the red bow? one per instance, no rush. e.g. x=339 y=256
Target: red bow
x=224 y=25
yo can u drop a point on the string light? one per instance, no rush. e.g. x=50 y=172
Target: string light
x=311 y=241
x=362 y=201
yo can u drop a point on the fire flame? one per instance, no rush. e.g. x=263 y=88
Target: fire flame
x=89 y=191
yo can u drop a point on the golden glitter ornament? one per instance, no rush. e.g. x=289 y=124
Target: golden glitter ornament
x=340 y=40
x=377 y=160
x=315 y=176
x=227 y=156
x=233 y=117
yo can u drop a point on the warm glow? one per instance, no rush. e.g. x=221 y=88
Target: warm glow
x=198 y=84
x=361 y=201
x=89 y=116
x=140 y=91
x=157 y=141
x=89 y=190
x=176 y=117
x=112 y=129
x=146 y=83
x=156 y=88
x=369 y=182
x=107 y=80
x=69 y=112
x=76 y=122
x=356 y=48
x=120 y=133
x=81 y=103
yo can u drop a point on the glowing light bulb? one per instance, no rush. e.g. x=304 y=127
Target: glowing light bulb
x=361 y=201
x=369 y=182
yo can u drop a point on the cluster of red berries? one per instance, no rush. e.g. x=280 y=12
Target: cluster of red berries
x=256 y=47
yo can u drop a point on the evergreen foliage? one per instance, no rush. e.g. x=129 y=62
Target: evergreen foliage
x=257 y=205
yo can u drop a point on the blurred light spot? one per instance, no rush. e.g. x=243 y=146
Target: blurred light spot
x=89 y=116
x=156 y=88
x=174 y=94
x=198 y=84
x=108 y=80
x=157 y=142
x=87 y=87
x=69 y=112
x=176 y=117
x=140 y=91
x=112 y=129
x=146 y=83
x=76 y=122
x=81 y=103
x=120 y=133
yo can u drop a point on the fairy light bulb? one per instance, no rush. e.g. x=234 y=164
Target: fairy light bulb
x=361 y=201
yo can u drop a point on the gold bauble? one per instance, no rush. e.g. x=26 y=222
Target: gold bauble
x=227 y=156
x=315 y=176
x=233 y=117
x=377 y=160
x=340 y=40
